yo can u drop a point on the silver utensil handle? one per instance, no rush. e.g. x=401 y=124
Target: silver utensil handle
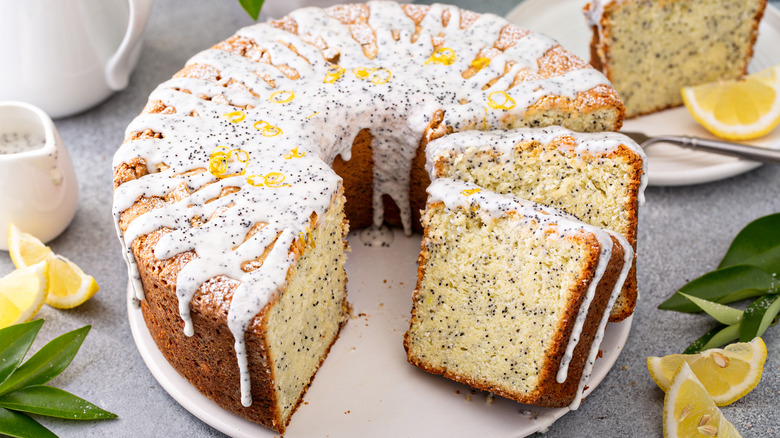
x=722 y=147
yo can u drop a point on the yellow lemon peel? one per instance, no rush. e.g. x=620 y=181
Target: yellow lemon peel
x=377 y=76
x=219 y=158
x=308 y=237
x=272 y=180
x=235 y=116
x=334 y=73
x=294 y=154
x=281 y=96
x=442 y=55
x=504 y=100
x=266 y=129
x=480 y=63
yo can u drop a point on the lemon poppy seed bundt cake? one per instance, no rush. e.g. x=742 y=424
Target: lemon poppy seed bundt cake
x=236 y=186
x=681 y=43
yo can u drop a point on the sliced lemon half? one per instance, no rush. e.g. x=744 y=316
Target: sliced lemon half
x=740 y=109
x=690 y=412
x=22 y=293
x=69 y=286
x=728 y=374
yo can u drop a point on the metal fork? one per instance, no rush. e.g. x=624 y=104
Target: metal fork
x=715 y=146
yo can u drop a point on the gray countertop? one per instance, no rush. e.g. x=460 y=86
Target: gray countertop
x=683 y=232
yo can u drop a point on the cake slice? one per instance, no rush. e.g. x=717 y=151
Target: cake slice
x=284 y=344
x=650 y=49
x=512 y=297
x=599 y=178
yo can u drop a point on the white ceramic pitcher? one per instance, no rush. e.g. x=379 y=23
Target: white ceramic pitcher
x=66 y=56
x=38 y=187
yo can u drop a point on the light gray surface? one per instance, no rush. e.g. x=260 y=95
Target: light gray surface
x=683 y=233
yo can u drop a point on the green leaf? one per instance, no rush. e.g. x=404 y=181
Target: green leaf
x=696 y=346
x=722 y=286
x=252 y=7
x=18 y=425
x=52 y=402
x=717 y=337
x=15 y=341
x=758 y=244
x=47 y=363
x=723 y=314
x=758 y=316
x=725 y=336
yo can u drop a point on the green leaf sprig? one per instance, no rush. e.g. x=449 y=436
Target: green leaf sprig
x=750 y=269
x=22 y=389
x=252 y=7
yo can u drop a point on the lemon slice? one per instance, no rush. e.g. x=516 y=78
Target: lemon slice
x=22 y=293
x=690 y=412
x=728 y=374
x=25 y=249
x=737 y=109
x=69 y=286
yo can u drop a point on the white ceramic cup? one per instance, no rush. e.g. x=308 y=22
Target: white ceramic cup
x=38 y=187
x=66 y=56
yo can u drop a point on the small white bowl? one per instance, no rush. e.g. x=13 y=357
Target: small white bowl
x=38 y=187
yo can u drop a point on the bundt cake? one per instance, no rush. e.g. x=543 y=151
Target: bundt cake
x=230 y=187
x=599 y=178
x=512 y=297
x=650 y=49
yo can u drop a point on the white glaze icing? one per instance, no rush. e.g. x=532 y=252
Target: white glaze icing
x=503 y=142
x=395 y=94
x=458 y=194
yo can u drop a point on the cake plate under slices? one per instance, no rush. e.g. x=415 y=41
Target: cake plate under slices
x=668 y=165
x=366 y=387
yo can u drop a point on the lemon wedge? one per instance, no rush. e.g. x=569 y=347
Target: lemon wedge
x=728 y=374
x=690 y=412
x=737 y=109
x=69 y=286
x=25 y=249
x=22 y=293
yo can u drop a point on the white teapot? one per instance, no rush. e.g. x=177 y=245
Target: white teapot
x=66 y=56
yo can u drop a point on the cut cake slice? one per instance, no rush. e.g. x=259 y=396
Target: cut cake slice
x=649 y=50
x=599 y=177
x=512 y=297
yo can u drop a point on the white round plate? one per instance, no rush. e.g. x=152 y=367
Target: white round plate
x=668 y=165
x=366 y=387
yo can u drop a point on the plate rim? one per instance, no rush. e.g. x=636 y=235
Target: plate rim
x=616 y=335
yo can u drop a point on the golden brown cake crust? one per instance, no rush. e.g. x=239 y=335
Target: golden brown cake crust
x=207 y=359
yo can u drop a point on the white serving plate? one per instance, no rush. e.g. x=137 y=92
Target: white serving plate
x=365 y=387
x=668 y=165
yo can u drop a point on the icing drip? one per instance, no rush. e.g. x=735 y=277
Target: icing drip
x=377 y=236
x=455 y=194
x=251 y=143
